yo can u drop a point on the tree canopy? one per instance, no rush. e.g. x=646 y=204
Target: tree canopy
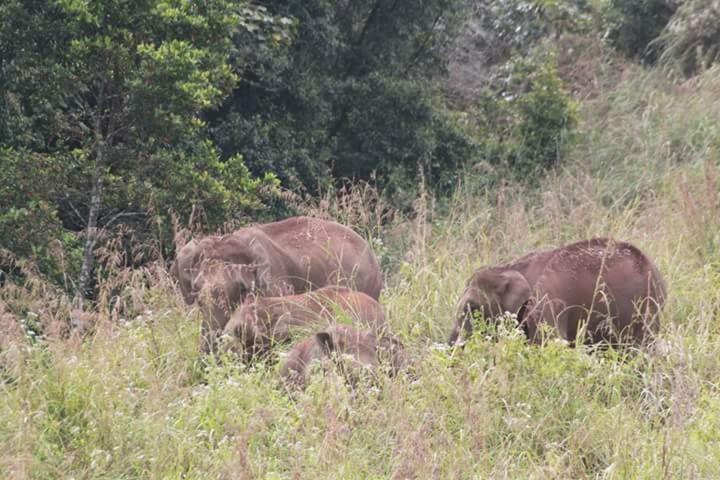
x=118 y=118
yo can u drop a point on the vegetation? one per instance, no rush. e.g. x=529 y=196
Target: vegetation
x=633 y=27
x=110 y=95
x=692 y=35
x=564 y=138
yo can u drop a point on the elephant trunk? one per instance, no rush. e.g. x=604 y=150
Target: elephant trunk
x=463 y=322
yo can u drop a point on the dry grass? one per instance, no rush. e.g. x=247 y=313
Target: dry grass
x=135 y=400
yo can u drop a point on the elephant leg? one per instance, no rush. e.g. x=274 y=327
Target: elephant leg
x=539 y=316
x=209 y=340
x=214 y=319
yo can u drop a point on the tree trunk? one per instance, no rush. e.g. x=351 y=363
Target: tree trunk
x=91 y=229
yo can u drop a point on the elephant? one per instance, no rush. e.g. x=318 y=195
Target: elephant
x=363 y=348
x=261 y=321
x=294 y=255
x=599 y=290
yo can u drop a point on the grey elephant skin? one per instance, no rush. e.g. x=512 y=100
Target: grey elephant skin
x=599 y=290
x=295 y=255
x=364 y=349
x=261 y=322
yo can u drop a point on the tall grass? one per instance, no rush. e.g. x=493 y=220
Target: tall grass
x=136 y=400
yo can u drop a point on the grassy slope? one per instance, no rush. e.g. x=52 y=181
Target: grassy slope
x=134 y=401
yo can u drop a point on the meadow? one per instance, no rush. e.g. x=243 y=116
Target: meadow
x=134 y=399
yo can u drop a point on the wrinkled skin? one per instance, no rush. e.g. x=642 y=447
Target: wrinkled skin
x=295 y=255
x=363 y=348
x=491 y=291
x=602 y=290
x=261 y=321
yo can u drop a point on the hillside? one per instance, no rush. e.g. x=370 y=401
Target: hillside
x=134 y=398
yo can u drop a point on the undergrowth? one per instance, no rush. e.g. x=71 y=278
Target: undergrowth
x=135 y=399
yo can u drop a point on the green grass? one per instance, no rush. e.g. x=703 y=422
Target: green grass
x=135 y=400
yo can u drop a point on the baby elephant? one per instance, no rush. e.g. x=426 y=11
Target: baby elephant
x=601 y=290
x=362 y=348
x=261 y=321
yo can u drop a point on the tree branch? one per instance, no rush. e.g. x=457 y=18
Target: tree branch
x=76 y=212
x=120 y=215
x=416 y=56
x=368 y=22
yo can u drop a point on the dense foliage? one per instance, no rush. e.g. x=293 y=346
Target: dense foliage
x=117 y=120
x=484 y=129
x=101 y=102
x=633 y=27
x=351 y=96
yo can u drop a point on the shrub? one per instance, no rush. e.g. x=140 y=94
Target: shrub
x=546 y=113
x=692 y=38
x=526 y=120
x=632 y=26
x=29 y=221
x=399 y=130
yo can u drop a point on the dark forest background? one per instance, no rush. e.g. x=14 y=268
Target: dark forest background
x=121 y=120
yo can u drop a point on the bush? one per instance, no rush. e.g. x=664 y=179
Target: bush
x=397 y=129
x=546 y=114
x=29 y=223
x=692 y=38
x=526 y=120
x=632 y=26
x=197 y=180
x=43 y=205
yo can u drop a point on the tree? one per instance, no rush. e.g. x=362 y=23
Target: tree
x=354 y=94
x=116 y=90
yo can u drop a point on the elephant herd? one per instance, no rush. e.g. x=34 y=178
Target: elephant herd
x=260 y=284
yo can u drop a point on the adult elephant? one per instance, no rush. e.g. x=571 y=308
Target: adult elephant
x=600 y=290
x=279 y=258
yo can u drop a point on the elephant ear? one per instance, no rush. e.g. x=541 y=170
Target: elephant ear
x=514 y=291
x=196 y=276
x=183 y=270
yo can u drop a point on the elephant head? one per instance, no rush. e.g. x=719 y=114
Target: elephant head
x=490 y=292
x=358 y=350
x=244 y=331
x=220 y=287
x=363 y=348
x=238 y=263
